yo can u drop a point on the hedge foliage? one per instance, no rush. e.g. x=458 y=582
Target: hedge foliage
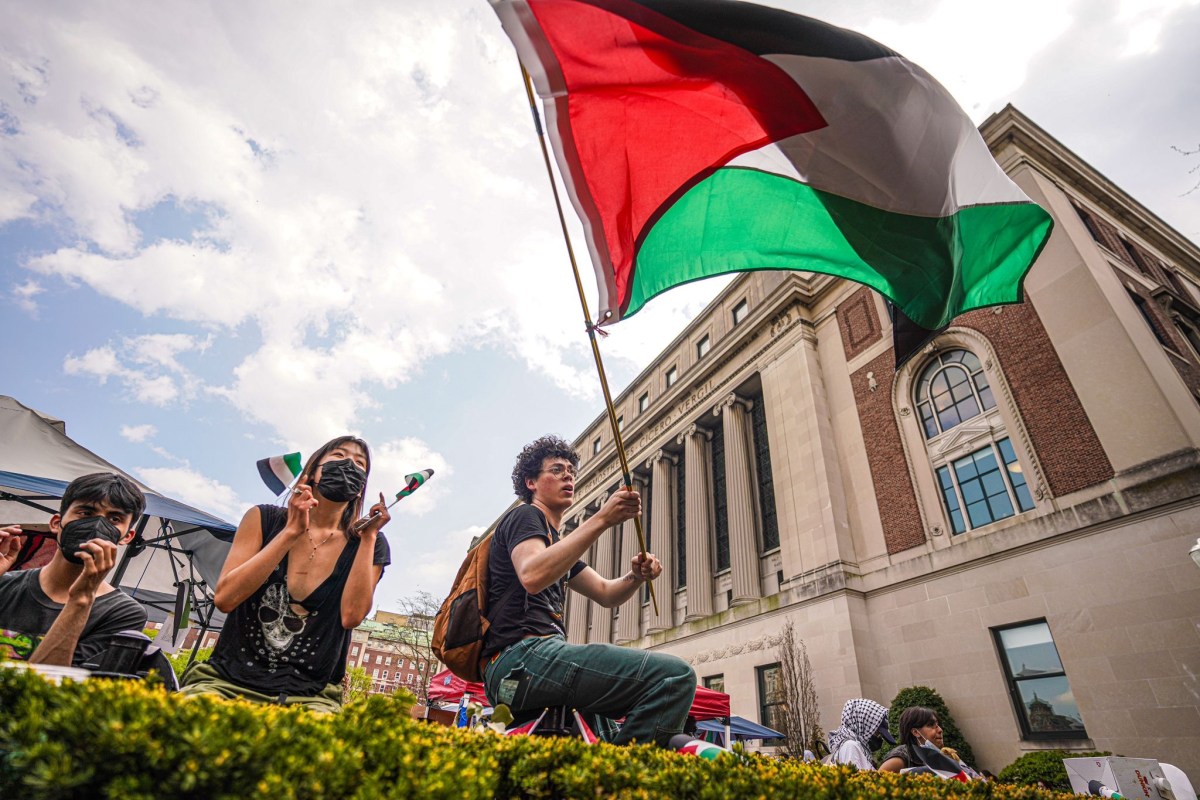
x=121 y=739
x=1045 y=766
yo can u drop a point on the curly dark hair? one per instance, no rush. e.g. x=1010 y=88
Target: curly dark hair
x=529 y=462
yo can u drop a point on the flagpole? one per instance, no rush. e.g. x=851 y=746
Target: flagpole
x=587 y=318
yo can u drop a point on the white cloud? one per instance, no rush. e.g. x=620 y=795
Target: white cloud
x=392 y=460
x=432 y=571
x=23 y=294
x=138 y=433
x=142 y=366
x=188 y=486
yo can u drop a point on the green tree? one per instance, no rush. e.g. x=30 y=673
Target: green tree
x=929 y=698
x=356 y=685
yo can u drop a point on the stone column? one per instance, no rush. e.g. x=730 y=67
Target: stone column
x=606 y=546
x=629 y=622
x=739 y=491
x=698 y=521
x=577 y=609
x=662 y=535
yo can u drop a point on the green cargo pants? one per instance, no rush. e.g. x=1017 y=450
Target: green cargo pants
x=652 y=691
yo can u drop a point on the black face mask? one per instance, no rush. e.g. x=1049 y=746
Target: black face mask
x=341 y=480
x=78 y=531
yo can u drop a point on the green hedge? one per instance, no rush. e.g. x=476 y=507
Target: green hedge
x=117 y=739
x=1045 y=766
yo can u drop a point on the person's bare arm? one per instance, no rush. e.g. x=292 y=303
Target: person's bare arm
x=539 y=565
x=249 y=564
x=58 y=646
x=359 y=594
x=612 y=592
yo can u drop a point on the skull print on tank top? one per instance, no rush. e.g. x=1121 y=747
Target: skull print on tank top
x=267 y=646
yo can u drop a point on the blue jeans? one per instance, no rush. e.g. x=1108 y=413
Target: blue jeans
x=652 y=691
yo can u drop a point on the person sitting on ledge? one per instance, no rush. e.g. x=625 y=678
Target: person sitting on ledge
x=64 y=613
x=528 y=663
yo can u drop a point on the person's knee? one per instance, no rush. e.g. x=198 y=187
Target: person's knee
x=676 y=673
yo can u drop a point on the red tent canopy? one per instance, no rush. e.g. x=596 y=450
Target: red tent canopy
x=449 y=688
x=709 y=704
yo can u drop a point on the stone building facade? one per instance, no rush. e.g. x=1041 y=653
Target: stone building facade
x=1006 y=518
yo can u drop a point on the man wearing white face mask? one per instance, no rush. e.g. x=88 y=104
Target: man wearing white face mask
x=64 y=613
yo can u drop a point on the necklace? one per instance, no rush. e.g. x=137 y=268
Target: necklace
x=315 y=545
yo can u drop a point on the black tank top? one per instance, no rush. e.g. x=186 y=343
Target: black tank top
x=267 y=647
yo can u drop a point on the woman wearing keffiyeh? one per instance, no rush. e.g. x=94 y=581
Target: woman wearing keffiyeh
x=863 y=723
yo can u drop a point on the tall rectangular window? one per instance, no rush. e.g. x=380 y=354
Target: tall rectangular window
x=771 y=702
x=989 y=484
x=596 y=445
x=702 y=347
x=715 y=682
x=672 y=376
x=1037 y=682
x=643 y=402
x=680 y=525
x=766 y=484
x=720 y=501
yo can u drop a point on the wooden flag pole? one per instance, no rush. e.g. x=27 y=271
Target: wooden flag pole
x=587 y=318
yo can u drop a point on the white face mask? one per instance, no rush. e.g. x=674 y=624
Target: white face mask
x=926 y=743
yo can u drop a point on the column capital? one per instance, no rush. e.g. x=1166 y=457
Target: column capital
x=661 y=455
x=730 y=400
x=693 y=430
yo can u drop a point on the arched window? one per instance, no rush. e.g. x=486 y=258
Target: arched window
x=952 y=390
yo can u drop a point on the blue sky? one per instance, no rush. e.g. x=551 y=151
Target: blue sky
x=229 y=231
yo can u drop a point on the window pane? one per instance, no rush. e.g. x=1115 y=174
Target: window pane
x=1049 y=705
x=972 y=492
x=985 y=391
x=951 y=500
x=979 y=513
x=970 y=361
x=1030 y=650
x=949 y=418
x=927 y=422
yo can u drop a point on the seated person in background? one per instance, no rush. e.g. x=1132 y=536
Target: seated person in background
x=64 y=613
x=296 y=582
x=528 y=663
x=919 y=727
x=864 y=727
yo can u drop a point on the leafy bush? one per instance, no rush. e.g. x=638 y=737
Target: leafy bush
x=1045 y=766
x=179 y=661
x=925 y=696
x=120 y=739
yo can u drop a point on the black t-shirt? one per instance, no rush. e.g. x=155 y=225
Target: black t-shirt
x=521 y=614
x=26 y=614
x=901 y=752
x=266 y=646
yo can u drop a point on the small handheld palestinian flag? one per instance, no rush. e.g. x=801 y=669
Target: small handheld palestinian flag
x=412 y=482
x=278 y=472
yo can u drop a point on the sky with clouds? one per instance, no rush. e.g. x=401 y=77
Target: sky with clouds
x=230 y=230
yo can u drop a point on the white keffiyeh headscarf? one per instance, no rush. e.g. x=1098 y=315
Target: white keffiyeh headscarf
x=861 y=718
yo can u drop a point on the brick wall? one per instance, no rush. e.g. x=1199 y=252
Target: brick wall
x=1059 y=429
x=858 y=322
x=894 y=491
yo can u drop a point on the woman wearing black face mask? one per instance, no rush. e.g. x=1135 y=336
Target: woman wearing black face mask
x=296 y=582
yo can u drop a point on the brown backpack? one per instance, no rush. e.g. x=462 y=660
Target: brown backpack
x=462 y=622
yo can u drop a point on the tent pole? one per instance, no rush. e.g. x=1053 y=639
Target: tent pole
x=591 y=329
x=126 y=556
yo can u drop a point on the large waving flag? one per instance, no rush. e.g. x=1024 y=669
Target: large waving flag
x=701 y=137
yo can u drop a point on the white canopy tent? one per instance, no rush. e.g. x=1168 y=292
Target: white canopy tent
x=178 y=549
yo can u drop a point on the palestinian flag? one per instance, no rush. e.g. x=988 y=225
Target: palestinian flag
x=936 y=762
x=413 y=482
x=278 y=472
x=701 y=137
